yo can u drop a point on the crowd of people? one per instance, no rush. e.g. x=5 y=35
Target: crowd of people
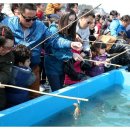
x=63 y=59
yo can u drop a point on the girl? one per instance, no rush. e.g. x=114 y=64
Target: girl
x=98 y=54
x=99 y=21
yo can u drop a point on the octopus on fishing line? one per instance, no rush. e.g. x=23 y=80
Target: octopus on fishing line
x=77 y=111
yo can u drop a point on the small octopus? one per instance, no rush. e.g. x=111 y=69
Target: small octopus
x=76 y=111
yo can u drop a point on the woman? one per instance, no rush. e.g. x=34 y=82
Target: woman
x=55 y=58
x=6 y=60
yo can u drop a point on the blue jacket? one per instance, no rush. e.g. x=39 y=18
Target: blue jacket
x=128 y=31
x=22 y=77
x=2 y=16
x=114 y=26
x=54 y=58
x=34 y=35
x=121 y=29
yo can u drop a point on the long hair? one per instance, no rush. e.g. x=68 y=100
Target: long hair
x=71 y=32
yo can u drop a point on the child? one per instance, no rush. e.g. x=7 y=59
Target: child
x=98 y=54
x=22 y=76
x=73 y=72
x=99 y=22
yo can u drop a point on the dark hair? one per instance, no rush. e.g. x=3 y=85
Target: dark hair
x=125 y=18
x=27 y=6
x=114 y=13
x=5 y=33
x=98 y=45
x=70 y=6
x=64 y=22
x=38 y=4
x=21 y=54
x=88 y=14
x=97 y=19
x=15 y=6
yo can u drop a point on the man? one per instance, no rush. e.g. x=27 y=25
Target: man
x=82 y=29
x=123 y=23
x=114 y=24
x=6 y=60
x=2 y=15
x=30 y=32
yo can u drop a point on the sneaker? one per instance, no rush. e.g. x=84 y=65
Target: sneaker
x=44 y=87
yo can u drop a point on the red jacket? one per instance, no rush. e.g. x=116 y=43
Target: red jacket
x=67 y=80
x=40 y=14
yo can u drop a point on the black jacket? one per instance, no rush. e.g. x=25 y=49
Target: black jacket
x=6 y=63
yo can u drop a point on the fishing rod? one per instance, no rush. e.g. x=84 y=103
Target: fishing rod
x=103 y=62
x=65 y=27
x=44 y=93
x=119 y=54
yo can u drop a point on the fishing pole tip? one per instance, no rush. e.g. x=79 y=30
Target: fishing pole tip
x=2 y=86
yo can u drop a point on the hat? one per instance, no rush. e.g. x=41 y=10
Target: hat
x=54 y=16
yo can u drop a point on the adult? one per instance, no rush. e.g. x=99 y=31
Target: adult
x=114 y=24
x=15 y=8
x=29 y=31
x=2 y=15
x=6 y=60
x=56 y=58
x=73 y=6
x=82 y=29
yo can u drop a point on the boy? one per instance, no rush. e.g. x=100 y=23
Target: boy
x=22 y=76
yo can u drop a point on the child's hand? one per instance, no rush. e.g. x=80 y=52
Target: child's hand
x=1 y=86
x=77 y=57
x=107 y=63
x=108 y=60
x=82 y=54
x=98 y=63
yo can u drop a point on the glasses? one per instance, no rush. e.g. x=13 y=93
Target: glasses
x=89 y=22
x=29 y=19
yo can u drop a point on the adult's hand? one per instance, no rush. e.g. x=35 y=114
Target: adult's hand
x=78 y=38
x=76 y=46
